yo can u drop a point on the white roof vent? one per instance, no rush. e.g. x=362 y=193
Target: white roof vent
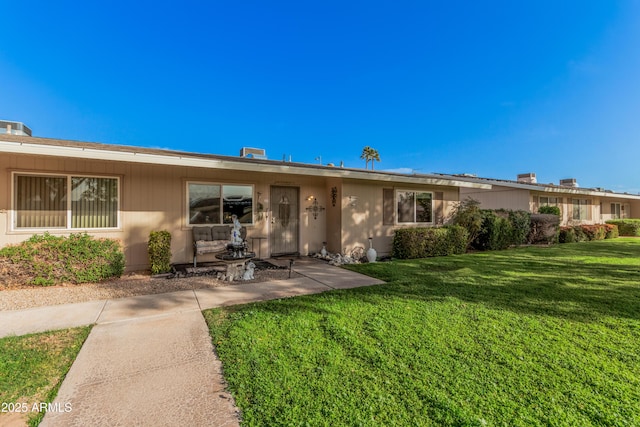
x=569 y=182
x=254 y=153
x=527 y=178
x=14 y=128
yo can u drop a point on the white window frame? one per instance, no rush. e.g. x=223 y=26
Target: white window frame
x=548 y=202
x=415 y=193
x=221 y=185
x=620 y=210
x=581 y=202
x=68 y=220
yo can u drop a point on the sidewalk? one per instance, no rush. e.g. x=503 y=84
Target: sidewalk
x=149 y=359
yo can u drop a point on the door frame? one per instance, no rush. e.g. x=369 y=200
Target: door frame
x=276 y=248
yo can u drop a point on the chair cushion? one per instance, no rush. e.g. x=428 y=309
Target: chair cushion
x=220 y=232
x=203 y=247
x=201 y=233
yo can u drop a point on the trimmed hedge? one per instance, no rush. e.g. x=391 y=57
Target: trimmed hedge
x=423 y=242
x=495 y=233
x=160 y=251
x=501 y=229
x=47 y=260
x=626 y=227
x=585 y=233
x=549 y=210
x=544 y=228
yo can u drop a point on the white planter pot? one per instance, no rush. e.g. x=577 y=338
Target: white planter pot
x=372 y=255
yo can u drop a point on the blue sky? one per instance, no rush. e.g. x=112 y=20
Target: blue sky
x=493 y=88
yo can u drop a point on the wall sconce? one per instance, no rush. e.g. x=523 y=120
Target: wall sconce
x=353 y=201
x=315 y=208
x=309 y=198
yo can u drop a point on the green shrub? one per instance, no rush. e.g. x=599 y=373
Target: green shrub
x=160 y=251
x=468 y=214
x=520 y=226
x=626 y=227
x=594 y=232
x=580 y=234
x=496 y=232
x=587 y=232
x=423 y=242
x=549 y=210
x=544 y=228
x=48 y=260
x=457 y=239
x=611 y=231
x=567 y=235
x=502 y=228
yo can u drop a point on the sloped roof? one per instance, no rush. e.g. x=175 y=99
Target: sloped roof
x=546 y=188
x=98 y=151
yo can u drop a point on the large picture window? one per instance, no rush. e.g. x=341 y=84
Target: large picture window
x=581 y=209
x=65 y=202
x=216 y=203
x=414 y=207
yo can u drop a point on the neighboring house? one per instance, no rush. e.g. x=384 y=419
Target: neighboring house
x=126 y=192
x=577 y=205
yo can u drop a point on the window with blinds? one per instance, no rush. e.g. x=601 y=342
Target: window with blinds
x=66 y=202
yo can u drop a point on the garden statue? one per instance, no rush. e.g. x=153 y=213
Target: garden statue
x=248 y=272
x=323 y=251
x=236 y=237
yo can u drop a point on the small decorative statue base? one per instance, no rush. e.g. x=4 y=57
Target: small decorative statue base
x=248 y=271
x=372 y=255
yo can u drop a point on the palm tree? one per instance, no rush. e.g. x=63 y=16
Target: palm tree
x=369 y=154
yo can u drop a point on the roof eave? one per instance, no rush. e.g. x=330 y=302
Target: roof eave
x=169 y=158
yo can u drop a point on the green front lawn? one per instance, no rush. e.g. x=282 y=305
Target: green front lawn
x=535 y=336
x=32 y=368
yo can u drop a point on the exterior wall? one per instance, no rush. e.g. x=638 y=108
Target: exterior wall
x=153 y=197
x=634 y=208
x=499 y=198
x=362 y=213
x=599 y=207
x=334 y=193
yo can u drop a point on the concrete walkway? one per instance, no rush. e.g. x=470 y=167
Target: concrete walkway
x=149 y=359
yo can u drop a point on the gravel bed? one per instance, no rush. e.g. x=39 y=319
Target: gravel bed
x=126 y=286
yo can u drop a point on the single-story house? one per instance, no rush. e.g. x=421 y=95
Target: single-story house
x=577 y=205
x=125 y=192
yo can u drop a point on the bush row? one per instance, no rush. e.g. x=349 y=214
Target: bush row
x=48 y=260
x=544 y=228
x=423 y=242
x=626 y=227
x=583 y=233
x=501 y=229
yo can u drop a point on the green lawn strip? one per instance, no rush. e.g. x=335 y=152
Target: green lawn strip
x=33 y=366
x=534 y=336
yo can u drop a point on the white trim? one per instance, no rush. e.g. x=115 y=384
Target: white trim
x=169 y=158
x=68 y=176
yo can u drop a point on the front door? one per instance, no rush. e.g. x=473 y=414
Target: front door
x=284 y=234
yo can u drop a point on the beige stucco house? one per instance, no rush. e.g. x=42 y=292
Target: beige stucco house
x=577 y=205
x=125 y=192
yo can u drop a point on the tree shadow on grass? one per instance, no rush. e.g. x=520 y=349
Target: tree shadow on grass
x=578 y=284
x=582 y=282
